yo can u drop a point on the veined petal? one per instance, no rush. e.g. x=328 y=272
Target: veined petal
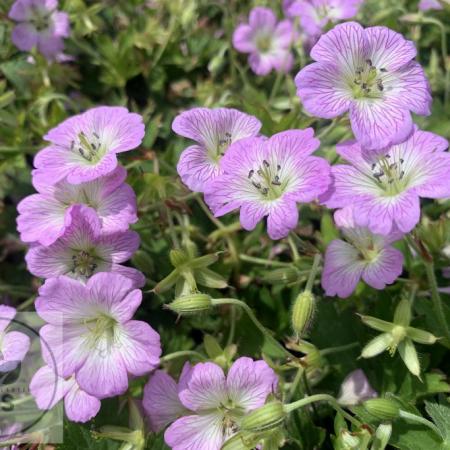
x=251 y=214
x=243 y=39
x=15 y=346
x=205 y=387
x=196 y=432
x=344 y=46
x=161 y=402
x=388 y=49
x=282 y=218
x=7 y=313
x=250 y=382
x=79 y=405
x=342 y=269
x=384 y=269
x=322 y=90
x=261 y=17
x=377 y=124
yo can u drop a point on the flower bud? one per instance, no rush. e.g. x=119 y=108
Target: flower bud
x=350 y=441
x=382 y=408
x=178 y=257
x=269 y=416
x=241 y=441
x=191 y=304
x=303 y=312
x=281 y=276
x=382 y=436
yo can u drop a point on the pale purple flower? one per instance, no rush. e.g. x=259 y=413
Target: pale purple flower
x=84 y=147
x=161 y=402
x=371 y=74
x=9 y=432
x=218 y=402
x=268 y=177
x=101 y=343
x=48 y=388
x=384 y=188
x=355 y=389
x=213 y=130
x=84 y=250
x=267 y=41
x=362 y=255
x=40 y=25
x=44 y=217
x=14 y=345
x=426 y=5
x=314 y=15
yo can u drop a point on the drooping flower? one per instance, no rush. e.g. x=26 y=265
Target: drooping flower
x=384 y=188
x=44 y=217
x=315 y=15
x=214 y=130
x=40 y=25
x=48 y=388
x=84 y=147
x=101 y=344
x=267 y=42
x=161 y=402
x=14 y=345
x=371 y=74
x=355 y=389
x=84 y=250
x=362 y=255
x=218 y=402
x=268 y=177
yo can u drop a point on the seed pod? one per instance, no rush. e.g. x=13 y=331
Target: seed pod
x=303 y=312
x=281 y=276
x=269 y=416
x=382 y=408
x=191 y=304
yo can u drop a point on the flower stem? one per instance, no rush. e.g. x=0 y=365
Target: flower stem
x=276 y=86
x=264 y=262
x=341 y=348
x=258 y=324
x=437 y=301
x=182 y=354
x=418 y=419
x=313 y=272
x=322 y=398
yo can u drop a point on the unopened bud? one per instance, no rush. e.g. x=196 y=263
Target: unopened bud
x=281 y=276
x=350 y=441
x=178 y=257
x=303 y=312
x=269 y=416
x=191 y=304
x=382 y=408
x=241 y=441
x=382 y=436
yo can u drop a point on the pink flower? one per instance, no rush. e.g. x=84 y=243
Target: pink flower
x=363 y=255
x=161 y=402
x=371 y=74
x=426 y=5
x=84 y=250
x=213 y=403
x=44 y=217
x=213 y=130
x=39 y=26
x=14 y=345
x=384 y=188
x=316 y=14
x=355 y=389
x=48 y=388
x=268 y=177
x=84 y=147
x=267 y=42
x=101 y=343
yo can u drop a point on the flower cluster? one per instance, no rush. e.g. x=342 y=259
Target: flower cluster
x=40 y=25
x=77 y=228
x=206 y=407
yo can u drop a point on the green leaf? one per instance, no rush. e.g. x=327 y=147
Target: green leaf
x=441 y=418
x=78 y=437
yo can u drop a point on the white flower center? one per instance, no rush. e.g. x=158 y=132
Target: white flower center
x=83 y=263
x=368 y=81
x=390 y=174
x=89 y=147
x=102 y=331
x=266 y=180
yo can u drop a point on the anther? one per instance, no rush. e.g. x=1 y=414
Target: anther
x=250 y=174
x=383 y=69
x=257 y=185
x=369 y=61
x=265 y=163
x=380 y=85
x=96 y=135
x=278 y=167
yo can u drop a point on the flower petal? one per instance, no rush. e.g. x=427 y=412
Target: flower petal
x=342 y=269
x=205 y=387
x=15 y=346
x=24 y=36
x=7 y=313
x=196 y=433
x=161 y=402
x=283 y=217
x=250 y=382
x=387 y=267
x=243 y=39
x=80 y=406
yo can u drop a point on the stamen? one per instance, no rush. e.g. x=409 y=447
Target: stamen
x=265 y=163
x=250 y=174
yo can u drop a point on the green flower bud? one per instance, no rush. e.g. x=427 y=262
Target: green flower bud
x=281 y=276
x=303 y=312
x=382 y=408
x=241 y=441
x=382 y=436
x=269 y=416
x=191 y=304
x=178 y=257
x=350 y=441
